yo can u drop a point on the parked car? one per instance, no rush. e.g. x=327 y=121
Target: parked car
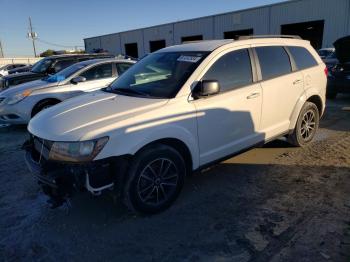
x=20 y=103
x=326 y=52
x=339 y=75
x=22 y=69
x=47 y=66
x=331 y=61
x=177 y=110
x=4 y=70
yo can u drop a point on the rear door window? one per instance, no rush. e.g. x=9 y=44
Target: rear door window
x=274 y=61
x=98 y=72
x=60 y=65
x=302 y=57
x=122 y=67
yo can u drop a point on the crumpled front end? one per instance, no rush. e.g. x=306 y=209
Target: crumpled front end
x=61 y=180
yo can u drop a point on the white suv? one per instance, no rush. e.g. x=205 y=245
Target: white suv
x=176 y=111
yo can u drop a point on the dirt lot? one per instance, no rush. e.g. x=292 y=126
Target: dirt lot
x=275 y=203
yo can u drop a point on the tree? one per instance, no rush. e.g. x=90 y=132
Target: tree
x=48 y=52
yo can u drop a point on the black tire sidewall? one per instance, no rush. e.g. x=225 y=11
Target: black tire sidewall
x=39 y=107
x=306 y=108
x=139 y=163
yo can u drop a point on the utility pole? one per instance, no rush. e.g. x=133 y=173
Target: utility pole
x=32 y=35
x=1 y=51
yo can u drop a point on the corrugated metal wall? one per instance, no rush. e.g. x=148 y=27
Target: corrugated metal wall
x=135 y=36
x=258 y=19
x=334 y=12
x=201 y=26
x=263 y=20
x=111 y=43
x=162 y=32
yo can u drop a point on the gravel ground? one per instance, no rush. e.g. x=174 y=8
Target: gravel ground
x=275 y=203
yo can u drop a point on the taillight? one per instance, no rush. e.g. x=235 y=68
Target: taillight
x=326 y=71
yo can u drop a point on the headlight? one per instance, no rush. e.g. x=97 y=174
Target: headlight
x=18 y=97
x=77 y=151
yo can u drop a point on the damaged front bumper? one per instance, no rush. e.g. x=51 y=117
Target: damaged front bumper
x=60 y=180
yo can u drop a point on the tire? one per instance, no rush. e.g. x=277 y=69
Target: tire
x=43 y=105
x=154 y=180
x=306 y=126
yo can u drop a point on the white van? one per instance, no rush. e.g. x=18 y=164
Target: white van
x=175 y=111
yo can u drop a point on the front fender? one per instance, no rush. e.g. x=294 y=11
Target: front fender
x=130 y=140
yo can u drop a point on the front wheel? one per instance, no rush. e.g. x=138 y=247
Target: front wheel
x=155 y=179
x=306 y=126
x=43 y=105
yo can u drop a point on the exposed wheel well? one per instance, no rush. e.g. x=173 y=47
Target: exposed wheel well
x=178 y=145
x=317 y=101
x=44 y=101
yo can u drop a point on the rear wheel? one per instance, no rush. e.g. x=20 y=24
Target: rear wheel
x=306 y=126
x=155 y=179
x=43 y=105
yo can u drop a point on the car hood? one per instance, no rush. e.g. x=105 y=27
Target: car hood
x=20 y=75
x=20 y=69
x=29 y=86
x=89 y=116
x=342 y=49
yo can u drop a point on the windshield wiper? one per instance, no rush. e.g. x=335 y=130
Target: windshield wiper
x=124 y=90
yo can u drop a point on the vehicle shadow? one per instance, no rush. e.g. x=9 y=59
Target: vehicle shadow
x=229 y=211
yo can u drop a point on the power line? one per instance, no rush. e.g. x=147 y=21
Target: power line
x=58 y=45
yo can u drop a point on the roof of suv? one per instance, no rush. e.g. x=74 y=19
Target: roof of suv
x=205 y=45
x=211 y=45
x=105 y=60
x=78 y=55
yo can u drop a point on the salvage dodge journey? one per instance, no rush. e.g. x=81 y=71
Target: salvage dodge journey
x=177 y=110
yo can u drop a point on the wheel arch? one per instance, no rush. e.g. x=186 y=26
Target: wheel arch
x=178 y=145
x=36 y=106
x=311 y=97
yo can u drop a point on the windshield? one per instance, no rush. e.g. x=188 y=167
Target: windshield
x=65 y=73
x=159 y=75
x=41 y=66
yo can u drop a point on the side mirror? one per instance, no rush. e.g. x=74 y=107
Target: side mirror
x=206 y=88
x=77 y=79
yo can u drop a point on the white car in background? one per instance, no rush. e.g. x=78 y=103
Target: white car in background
x=6 y=68
x=177 y=110
x=20 y=103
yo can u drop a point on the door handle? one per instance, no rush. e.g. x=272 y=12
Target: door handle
x=254 y=95
x=298 y=81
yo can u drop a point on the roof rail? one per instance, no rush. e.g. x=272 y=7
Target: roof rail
x=245 y=37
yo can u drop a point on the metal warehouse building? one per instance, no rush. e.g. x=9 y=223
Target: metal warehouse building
x=320 y=21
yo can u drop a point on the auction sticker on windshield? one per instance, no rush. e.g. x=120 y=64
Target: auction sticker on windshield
x=190 y=59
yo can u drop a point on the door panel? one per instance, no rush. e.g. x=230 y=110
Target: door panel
x=280 y=96
x=281 y=88
x=228 y=122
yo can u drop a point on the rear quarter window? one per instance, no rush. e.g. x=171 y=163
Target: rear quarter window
x=302 y=57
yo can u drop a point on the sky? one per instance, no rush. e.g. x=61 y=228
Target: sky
x=68 y=22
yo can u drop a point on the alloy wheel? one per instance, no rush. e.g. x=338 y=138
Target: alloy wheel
x=157 y=182
x=308 y=125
